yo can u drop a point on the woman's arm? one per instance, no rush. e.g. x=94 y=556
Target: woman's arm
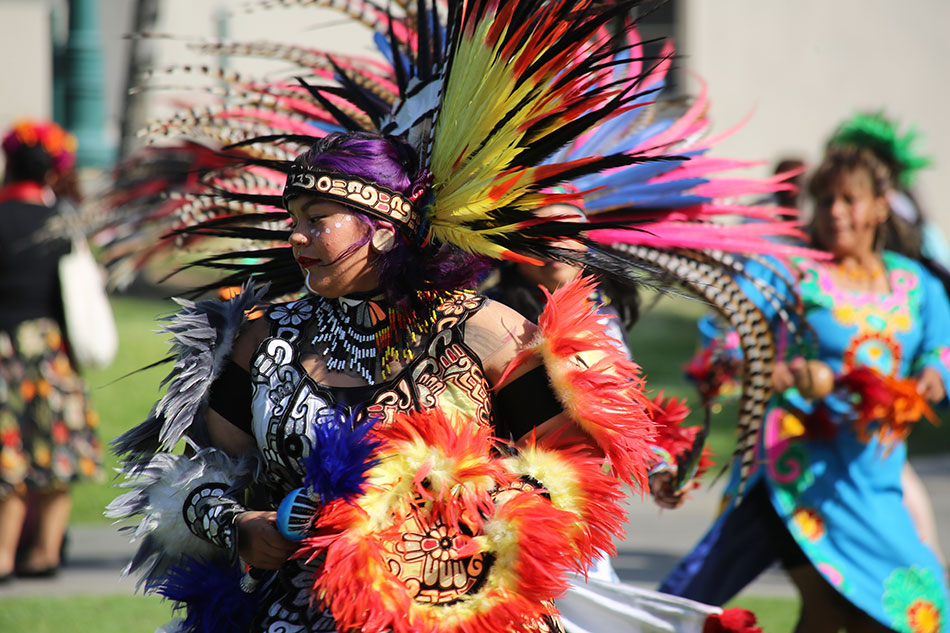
x=932 y=364
x=569 y=381
x=259 y=543
x=225 y=434
x=497 y=334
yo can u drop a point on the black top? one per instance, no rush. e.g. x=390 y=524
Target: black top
x=29 y=273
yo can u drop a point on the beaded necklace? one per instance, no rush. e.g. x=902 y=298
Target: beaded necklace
x=357 y=334
x=860 y=274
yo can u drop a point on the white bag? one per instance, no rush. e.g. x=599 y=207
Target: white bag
x=90 y=326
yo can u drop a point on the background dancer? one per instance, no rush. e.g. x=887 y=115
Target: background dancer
x=48 y=430
x=825 y=498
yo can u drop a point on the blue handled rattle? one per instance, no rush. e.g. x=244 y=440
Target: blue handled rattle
x=296 y=514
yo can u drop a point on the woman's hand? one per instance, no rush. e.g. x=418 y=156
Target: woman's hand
x=930 y=385
x=813 y=378
x=782 y=377
x=259 y=543
x=661 y=488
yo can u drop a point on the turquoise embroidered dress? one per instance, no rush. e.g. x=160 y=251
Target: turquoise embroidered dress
x=838 y=497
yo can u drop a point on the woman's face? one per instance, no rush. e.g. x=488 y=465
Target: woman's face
x=324 y=239
x=848 y=213
x=554 y=274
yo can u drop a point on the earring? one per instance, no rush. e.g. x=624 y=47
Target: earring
x=383 y=240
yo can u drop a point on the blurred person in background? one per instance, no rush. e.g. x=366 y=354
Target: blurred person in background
x=790 y=198
x=47 y=429
x=826 y=494
x=909 y=232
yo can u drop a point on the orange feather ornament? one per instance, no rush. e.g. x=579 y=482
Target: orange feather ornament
x=600 y=388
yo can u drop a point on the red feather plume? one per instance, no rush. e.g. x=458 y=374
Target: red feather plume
x=601 y=390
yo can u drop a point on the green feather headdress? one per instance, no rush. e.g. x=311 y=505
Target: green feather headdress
x=879 y=134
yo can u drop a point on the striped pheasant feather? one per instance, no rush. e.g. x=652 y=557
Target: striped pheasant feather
x=712 y=276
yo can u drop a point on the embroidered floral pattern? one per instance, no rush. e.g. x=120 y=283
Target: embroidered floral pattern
x=459 y=304
x=292 y=313
x=47 y=431
x=809 y=523
x=876 y=350
x=914 y=599
x=787 y=461
x=867 y=311
x=831 y=574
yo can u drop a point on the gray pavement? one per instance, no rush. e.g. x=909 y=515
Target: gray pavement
x=655 y=541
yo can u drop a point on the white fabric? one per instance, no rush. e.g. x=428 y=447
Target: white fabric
x=596 y=606
x=603 y=571
x=90 y=326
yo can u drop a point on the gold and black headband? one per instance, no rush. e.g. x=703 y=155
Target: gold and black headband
x=375 y=199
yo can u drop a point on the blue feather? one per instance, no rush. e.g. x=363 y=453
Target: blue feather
x=383 y=46
x=337 y=464
x=634 y=174
x=211 y=595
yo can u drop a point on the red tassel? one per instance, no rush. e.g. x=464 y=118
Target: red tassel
x=669 y=414
x=734 y=620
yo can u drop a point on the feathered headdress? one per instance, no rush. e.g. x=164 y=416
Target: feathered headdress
x=879 y=134
x=501 y=100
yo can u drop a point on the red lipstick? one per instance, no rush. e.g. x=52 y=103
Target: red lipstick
x=307 y=262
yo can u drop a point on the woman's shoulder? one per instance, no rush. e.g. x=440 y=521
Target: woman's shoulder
x=258 y=327
x=496 y=333
x=493 y=315
x=894 y=260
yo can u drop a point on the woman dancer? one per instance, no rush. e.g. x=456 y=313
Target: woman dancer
x=47 y=431
x=387 y=337
x=826 y=495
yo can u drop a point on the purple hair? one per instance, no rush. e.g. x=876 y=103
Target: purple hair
x=393 y=163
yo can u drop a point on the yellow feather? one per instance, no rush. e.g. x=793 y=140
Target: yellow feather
x=478 y=96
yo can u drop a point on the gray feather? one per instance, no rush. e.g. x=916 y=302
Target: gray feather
x=202 y=335
x=159 y=489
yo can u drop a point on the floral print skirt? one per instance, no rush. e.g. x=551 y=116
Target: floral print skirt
x=47 y=429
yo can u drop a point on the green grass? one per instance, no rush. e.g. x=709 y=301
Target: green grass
x=142 y=614
x=774 y=615
x=123 y=403
x=99 y=614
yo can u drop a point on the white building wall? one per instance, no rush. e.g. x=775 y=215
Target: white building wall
x=797 y=67
x=800 y=67
x=26 y=67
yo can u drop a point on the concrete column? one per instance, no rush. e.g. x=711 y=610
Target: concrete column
x=85 y=114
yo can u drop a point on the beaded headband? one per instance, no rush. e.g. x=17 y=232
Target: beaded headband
x=377 y=200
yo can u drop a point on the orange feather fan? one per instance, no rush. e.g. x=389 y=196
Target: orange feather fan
x=444 y=539
x=575 y=481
